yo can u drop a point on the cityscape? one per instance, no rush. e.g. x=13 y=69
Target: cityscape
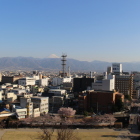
x=107 y=99
x=69 y=70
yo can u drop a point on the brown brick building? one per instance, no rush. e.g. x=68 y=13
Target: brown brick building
x=98 y=100
x=11 y=79
x=124 y=84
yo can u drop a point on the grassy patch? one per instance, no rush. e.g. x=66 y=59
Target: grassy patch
x=20 y=135
x=98 y=135
x=26 y=135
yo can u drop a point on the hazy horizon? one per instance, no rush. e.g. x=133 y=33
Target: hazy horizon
x=70 y=58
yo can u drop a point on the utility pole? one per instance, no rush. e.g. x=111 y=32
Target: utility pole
x=97 y=107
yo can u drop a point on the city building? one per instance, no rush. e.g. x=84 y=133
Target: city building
x=21 y=112
x=56 y=103
x=67 y=86
x=42 y=103
x=37 y=89
x=136 y=80
x=18 y=91
x=2 y=97
x=26 y=81
x=107 y=84
x=117 y=68
x=109 y=70
x=136 y=94
x=124 y=84
x=24 y=101
x=11 y=96
x=99 y=101
x=57 y=92
x=80 y=84
x=31 y=110
x=43 y=82
x=36 y=112
x=57 y=81
x=11 y=79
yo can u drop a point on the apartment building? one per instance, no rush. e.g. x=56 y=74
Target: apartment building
x=41 y=102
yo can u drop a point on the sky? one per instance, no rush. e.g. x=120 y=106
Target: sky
x=87 y=30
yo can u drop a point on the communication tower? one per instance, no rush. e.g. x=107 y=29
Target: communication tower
x=64 y=64
x=69 y=71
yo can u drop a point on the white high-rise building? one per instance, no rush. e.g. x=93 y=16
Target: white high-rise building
x=116 y=68
x=58 y=80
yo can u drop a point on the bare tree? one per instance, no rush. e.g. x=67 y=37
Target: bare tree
x=2 y=124
x=47 y=134
x=15 y=124
x=65 y=133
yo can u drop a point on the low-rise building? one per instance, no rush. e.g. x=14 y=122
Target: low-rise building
x=26 y=81
x=36 y=89
x=11 y=96
x=43 y=82
x=57 y=92
x=36 y=112
x=21 y=112
x=26 y=103
x=41 y=102
x=18 y=91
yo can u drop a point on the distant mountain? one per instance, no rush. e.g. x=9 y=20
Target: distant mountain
x=30 y=63
x=53 y=56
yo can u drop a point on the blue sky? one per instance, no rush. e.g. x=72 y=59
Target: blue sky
x=106 y=30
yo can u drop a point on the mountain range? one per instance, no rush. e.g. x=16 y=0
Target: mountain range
x=30 y=63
